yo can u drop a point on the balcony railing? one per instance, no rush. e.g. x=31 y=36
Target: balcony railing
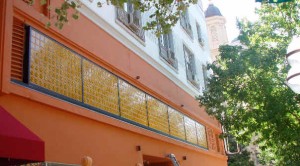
x=58 y=71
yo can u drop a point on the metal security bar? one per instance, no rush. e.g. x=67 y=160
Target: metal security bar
x=60 y=72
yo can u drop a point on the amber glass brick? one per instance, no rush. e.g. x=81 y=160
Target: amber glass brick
x=54 y=67
x=176 y=123
x=157 y=114
x=132 y=103
x=190 y=129
x=201 y=135
x=100 y=88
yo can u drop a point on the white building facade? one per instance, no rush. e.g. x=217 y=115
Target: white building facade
x=193 y=42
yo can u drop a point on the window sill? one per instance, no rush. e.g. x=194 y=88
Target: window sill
x=201 y=44
x=197 y=87
x=167 y=63
x=186 y=32
x=128 y=30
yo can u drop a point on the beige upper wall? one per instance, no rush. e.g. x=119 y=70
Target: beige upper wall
x=217 y=34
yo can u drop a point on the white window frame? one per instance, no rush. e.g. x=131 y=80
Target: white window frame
x=185 y=23
x=199 y=35
x=190 y=65
x=166 y=48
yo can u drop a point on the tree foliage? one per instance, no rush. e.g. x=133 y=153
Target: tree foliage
x=240 y=159
x=247 y=92
x=165 y=13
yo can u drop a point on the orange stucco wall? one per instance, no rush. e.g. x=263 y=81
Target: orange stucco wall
x=71 y=132
x=69 y=137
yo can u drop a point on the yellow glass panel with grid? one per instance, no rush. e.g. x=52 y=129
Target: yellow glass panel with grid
x=157 y=114
x=100 y=88
x=190 y=129
x=132 y=103
x=176 y=123
x=201 y=135
x=54 y=67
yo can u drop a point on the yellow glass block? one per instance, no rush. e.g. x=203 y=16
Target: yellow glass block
x=132 y=103
x=54 y=67
x=157 y=114
x=100 y=88
x=176 y=123
x=201 y=135
x=58 y=69
x=190 y=129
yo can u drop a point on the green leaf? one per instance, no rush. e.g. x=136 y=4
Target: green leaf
x=58 y=11
x=30 y=2
x=247 y=93
x=99 y=4
x=48 y=24
x=73 y=5
x=43 y=2
x=75 y=16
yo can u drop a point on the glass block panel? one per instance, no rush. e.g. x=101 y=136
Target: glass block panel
x=132 y=103
x=58 y=69
x=157 y=114
x=54 y=67
x=100 y=88
x=201 y=135
x=190 y=129
x=176 y=123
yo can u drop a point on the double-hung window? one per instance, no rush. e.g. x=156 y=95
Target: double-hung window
x=190 y=67
x=185 y=23
x=166 y=48
x=131 y=18
x=199 y=35
x=205 y=76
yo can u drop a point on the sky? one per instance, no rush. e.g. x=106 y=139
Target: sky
x=232 y=9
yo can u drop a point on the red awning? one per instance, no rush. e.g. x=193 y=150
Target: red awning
x=18 y=145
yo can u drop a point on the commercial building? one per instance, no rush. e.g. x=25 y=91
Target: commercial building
x=103 y=89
